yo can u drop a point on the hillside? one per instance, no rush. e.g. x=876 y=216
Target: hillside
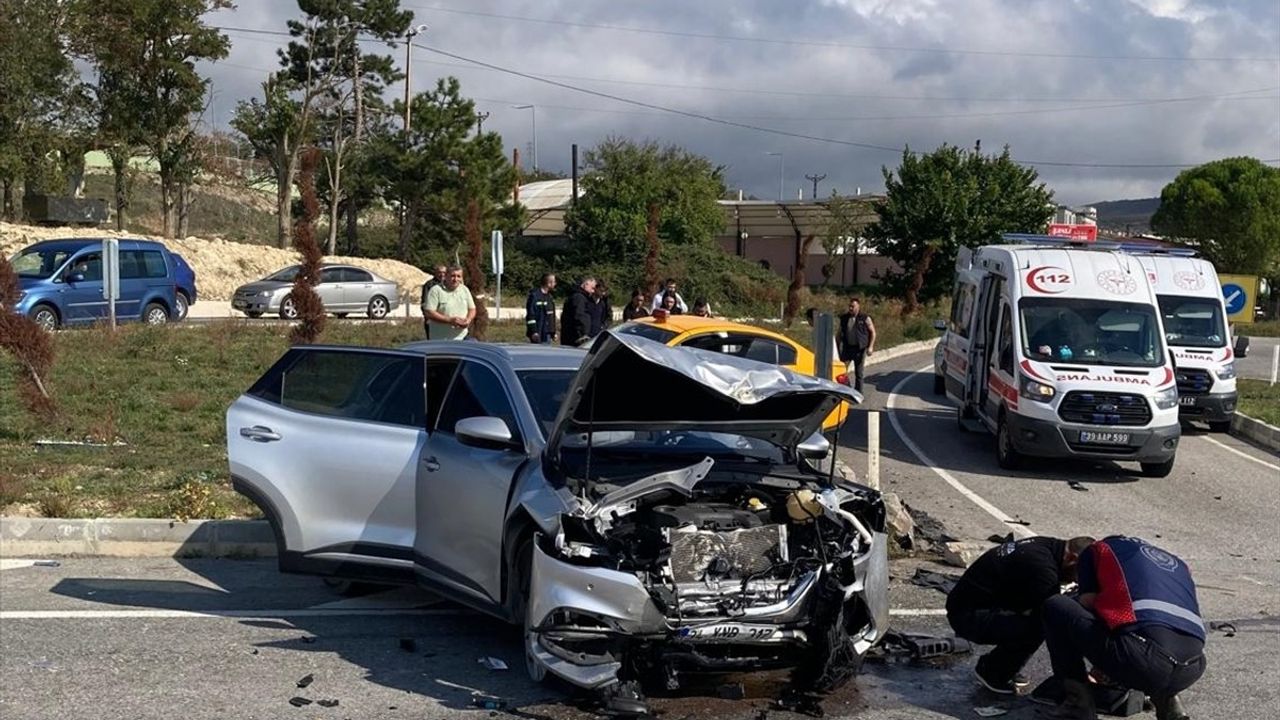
x=220 y=265
x=1132 y=215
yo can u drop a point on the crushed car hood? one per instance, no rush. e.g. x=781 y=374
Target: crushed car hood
x=630 y=383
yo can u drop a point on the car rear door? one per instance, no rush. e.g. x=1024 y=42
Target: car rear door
x=358 y=288
x=327 y=443
x=331 y=289
x=463 y=488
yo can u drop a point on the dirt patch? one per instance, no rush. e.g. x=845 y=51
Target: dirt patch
x=220 y=265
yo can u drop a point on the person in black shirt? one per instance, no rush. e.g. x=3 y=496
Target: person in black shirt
x=637 y=308
x=997 y=602
x=575 y=318
x=600 y=309
x=856 y=340
x=540 y=311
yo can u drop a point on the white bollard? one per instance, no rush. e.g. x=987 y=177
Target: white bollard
x=873 y=449
x=1275 y=363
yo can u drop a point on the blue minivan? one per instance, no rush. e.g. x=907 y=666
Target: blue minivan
x=61 y=282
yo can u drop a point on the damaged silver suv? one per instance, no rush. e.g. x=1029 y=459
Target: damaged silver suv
x=652 y=511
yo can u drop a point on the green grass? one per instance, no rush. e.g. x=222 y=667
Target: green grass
x=164 y=391
x=1268 y=328
x=1259 y=400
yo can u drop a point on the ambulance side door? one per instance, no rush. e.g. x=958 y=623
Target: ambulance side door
x=1002 y=383
x=955 y=354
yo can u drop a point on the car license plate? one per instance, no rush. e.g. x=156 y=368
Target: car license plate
x=1104 y=438
x=1186 y=400
x=731 y=632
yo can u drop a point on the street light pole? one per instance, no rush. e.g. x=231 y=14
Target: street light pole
x=781 y=172
x=533 y=115
x=408 y=72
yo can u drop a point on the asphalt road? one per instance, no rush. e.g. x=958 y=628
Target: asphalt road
x=1257 y=364
x=164 y=638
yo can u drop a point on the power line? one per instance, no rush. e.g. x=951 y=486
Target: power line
x=774 y=131
x=853 y=46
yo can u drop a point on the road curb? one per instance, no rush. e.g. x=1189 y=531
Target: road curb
x=898 y=351
x=1268 y=436
x=131 y=537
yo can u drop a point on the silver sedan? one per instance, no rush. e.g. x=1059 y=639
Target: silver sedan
x=343 y=289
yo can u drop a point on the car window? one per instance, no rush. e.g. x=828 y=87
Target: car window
x=546 y=390
x=90 y=265
x=355 y=385
x=648 y=331
x=477 y=392
x=1006 y=341
x=136 y=264
x=770 y=351
x=355 y=275
x=39 y=263
x=286 y=275
x=752 y=347
x=331 y=275
x=440 y=372
x=962 y=309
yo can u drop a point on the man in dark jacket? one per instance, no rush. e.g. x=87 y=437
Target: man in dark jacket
x=601 y=310
x=540 y=311
x=575 y=318
x=1136 y=620
x=856 y=338
x=997 y=602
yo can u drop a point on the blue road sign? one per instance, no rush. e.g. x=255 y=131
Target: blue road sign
x=1235 y=297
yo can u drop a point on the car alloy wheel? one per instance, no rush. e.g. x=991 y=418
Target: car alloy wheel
x=46 y=318
x=155 y=315
x=378 y=308
x=180 y=306
x=288 y=310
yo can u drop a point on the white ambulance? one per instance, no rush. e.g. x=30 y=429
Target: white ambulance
x=1058 y=349
x=1194 y=316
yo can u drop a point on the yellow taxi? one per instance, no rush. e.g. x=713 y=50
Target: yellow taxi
x=747 y=341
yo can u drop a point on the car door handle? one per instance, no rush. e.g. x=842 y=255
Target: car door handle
x=259 y=433
x=431 y=464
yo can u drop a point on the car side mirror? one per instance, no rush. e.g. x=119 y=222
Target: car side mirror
x=75 y=277
x=815 y=447
x=485 y=432
x=939 y=325
x=1242 y=346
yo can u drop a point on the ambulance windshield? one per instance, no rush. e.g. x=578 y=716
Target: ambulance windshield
x=1091 y=332
x=1193 y=321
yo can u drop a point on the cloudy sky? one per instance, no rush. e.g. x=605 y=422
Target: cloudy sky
x=1089 y=90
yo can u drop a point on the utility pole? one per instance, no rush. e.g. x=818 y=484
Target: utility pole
x=480 y=118
x=408 y=73
x=815 y=179
x=533 y=116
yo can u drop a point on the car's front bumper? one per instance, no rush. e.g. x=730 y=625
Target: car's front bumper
x=1044 y=438
x=255 y=304
x=620 y=605
x=1210 y=408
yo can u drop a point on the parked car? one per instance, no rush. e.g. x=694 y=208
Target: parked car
x=343 y=289
x=739 y=340
x=640 y=509
x=185 y=280
x=61 y=282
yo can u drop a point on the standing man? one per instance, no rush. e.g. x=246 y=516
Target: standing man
x=669 y=288
x=601 y=310
x=436 y=278
x=449 y=307
x=540 y=311
x=1136 y=620
x=575 y=319
x=997 y=602
x=857 y=340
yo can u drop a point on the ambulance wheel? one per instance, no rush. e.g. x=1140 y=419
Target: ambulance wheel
x=1158 y=470
x=1008 y=457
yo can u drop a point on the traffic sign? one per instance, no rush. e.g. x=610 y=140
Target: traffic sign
x=1239 y=293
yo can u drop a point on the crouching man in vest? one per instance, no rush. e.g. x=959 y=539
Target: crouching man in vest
x=1136 y=620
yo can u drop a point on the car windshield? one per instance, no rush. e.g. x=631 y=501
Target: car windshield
x=286 y=275
x=1193 y=321
x=1091 y=332
x=648 y=331
x=39 y=263
x=546 y=390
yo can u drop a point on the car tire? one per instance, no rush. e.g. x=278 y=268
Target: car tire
x=288 y=310
x=352 y=588
x=523 y=570
x=1219 y=426
x=378 y=307
x=1006 y=455
x=46 y=316
x=155 y=314
x=181 y=306
x=940 y=383
x=1157 y=470
x=255 y=314
x=340 y=315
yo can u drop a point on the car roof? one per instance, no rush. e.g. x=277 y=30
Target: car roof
x=687 y=323
x=74 y=244
x=520 y=356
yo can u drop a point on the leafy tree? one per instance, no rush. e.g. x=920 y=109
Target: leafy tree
x=626 y=180
x=950 y=198
x=148 y=49
x=1230 y=209
x=847 y=221
x=277 y=127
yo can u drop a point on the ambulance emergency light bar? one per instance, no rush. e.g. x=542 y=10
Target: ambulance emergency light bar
x=1131 y=247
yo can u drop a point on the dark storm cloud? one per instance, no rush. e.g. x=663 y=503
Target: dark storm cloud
x=877 y=93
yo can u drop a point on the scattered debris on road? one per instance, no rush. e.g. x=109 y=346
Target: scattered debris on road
x=963 y=554
x=1226 y=628
x=486 y=702
x=299 y=701
x=1077 y=485
x=732 y=691
x=306 y=680
x=492 y=663
x=327 y=703
x=899 y=646
x=308 y=639
x=941 y=582
x=990 y=711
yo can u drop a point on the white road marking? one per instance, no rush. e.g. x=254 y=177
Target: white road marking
x=918 y=612
x=1244 y=455
x=15 y=563
x=992 y=510
x=151 y=614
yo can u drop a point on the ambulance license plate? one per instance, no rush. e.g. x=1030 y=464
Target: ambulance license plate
x=1186 y=400
x=1104 y=438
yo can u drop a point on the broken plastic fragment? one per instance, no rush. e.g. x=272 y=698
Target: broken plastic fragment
x=47 y=563
x=492 y=663
x=308 y=639
x=298 y=701
x=306 y=680
x=990 y=711
x=1076 y=485
x=488 y=703
x=327 y=703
